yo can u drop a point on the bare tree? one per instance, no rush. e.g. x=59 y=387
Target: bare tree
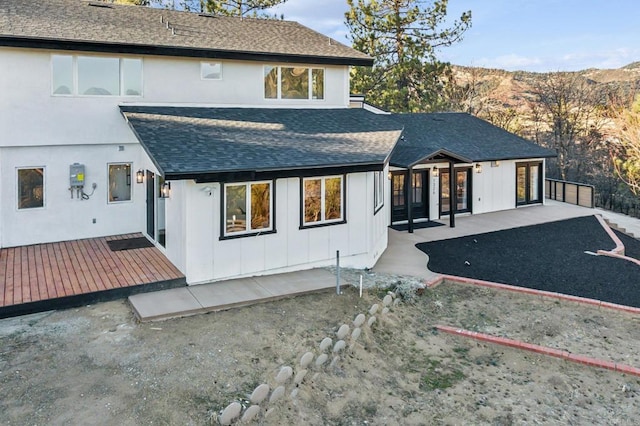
x=570 y=113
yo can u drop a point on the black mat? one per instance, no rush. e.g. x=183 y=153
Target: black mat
x=548 y=257
x=416 y=225
x=129 y=244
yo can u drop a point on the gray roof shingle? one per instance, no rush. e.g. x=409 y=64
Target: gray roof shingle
x=79 y=25
x=187 y=142
x=461 y=136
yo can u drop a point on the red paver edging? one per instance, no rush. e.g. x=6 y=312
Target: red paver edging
x=556 y=353
x=619 y=249
x=552 y=295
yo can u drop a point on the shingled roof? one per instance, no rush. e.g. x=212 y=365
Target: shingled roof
x=459 y=136
x=225 y=144
x=106 y=27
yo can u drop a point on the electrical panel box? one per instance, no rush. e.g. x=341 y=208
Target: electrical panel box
x=76 y=175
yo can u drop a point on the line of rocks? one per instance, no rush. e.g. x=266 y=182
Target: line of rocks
x=263 y=398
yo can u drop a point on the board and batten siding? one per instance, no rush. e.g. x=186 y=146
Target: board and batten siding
x=203 y=257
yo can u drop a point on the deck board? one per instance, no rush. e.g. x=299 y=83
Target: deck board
x=69 y=268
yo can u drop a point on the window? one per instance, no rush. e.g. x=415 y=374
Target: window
x=119 y=182
x=322 y=200
x=96 y=76
x=211 y=70
x=248 y=208
x=378 y=191
x=31 y=188
x=293 y=83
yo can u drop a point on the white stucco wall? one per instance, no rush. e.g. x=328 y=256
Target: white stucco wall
x=361 y=240
x=31 y=115
x=64 y=218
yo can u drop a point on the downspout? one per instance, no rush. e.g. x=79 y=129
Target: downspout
x=453 y=201
x=410 y=200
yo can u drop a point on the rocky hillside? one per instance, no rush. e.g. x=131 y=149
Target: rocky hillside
x=491 y=89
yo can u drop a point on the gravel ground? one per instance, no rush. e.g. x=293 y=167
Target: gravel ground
x=96 y=365
x=550 y=257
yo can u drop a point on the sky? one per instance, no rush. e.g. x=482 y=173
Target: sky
x=527 y=35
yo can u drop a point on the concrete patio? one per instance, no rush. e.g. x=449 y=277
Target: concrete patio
x=400 y=258
x=403 y=258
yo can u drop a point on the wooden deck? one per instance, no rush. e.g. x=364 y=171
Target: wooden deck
x=60 y=271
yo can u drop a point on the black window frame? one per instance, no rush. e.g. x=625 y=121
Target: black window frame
x=304 y=225
x=223 y=211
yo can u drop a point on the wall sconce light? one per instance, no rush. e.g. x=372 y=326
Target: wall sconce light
x=207 y=190
x=389 y=175
x=140 y=176
x=495 y=163
x=478 y=168
x=435 y=171
x=165 y=190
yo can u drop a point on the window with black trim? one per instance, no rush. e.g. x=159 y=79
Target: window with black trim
x=322 y=200
x=293 y=82
x=248 y=208
x=119 y=182
x=378 y=191
x=31 y=188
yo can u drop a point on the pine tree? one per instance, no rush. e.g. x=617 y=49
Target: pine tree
x=403 y=37
x=238 y=7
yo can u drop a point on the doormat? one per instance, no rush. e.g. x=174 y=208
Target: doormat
x=417 y=225
x=129 y=244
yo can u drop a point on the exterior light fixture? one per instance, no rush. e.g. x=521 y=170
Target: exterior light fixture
x=435 y=171
x=165 y=190
x=140 y=176
x=478 y=168
x=389 y=175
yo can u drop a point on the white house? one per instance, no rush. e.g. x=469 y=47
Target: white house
x=228 y=142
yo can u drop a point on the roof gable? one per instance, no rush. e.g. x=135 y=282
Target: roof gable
x=105 y=27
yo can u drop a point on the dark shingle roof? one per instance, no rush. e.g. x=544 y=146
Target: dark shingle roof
x=461 y=136
x=79 y=25
x=190 y=143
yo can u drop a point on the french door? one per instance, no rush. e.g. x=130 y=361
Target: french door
x=462 y=189
x=419 y=195
x=528 y=183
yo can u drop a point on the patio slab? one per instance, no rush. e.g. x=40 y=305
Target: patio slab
x=218 y=296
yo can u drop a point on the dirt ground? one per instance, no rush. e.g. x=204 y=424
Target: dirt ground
x=97 y=365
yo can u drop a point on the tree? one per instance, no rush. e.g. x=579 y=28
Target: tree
x=626 y=152
x=403 y=36
x=238 y=7
x=569 y=115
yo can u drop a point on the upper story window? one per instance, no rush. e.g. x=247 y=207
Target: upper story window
x=293 y=82
x=96 y=76
x=211 y=70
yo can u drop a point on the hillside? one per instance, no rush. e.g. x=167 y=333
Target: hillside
x=500 y=89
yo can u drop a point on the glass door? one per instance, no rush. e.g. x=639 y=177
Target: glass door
x=528 y=183
x=462 y=190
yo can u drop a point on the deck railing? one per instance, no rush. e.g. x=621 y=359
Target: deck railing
x=579 y=194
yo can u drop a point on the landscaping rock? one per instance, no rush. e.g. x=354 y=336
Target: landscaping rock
x=230 y=413
x=325 y=344
x=306 y=359
x=371 y=321
x=387 y=300
x=373 y=309
x=321 y=360
x=355 y=334
x=250 y=414
x=276 y=394
x=359 y=320
x=300 y=376
x=343 y=331
x=259 y=394
x=284 y=374
x=339 y=346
